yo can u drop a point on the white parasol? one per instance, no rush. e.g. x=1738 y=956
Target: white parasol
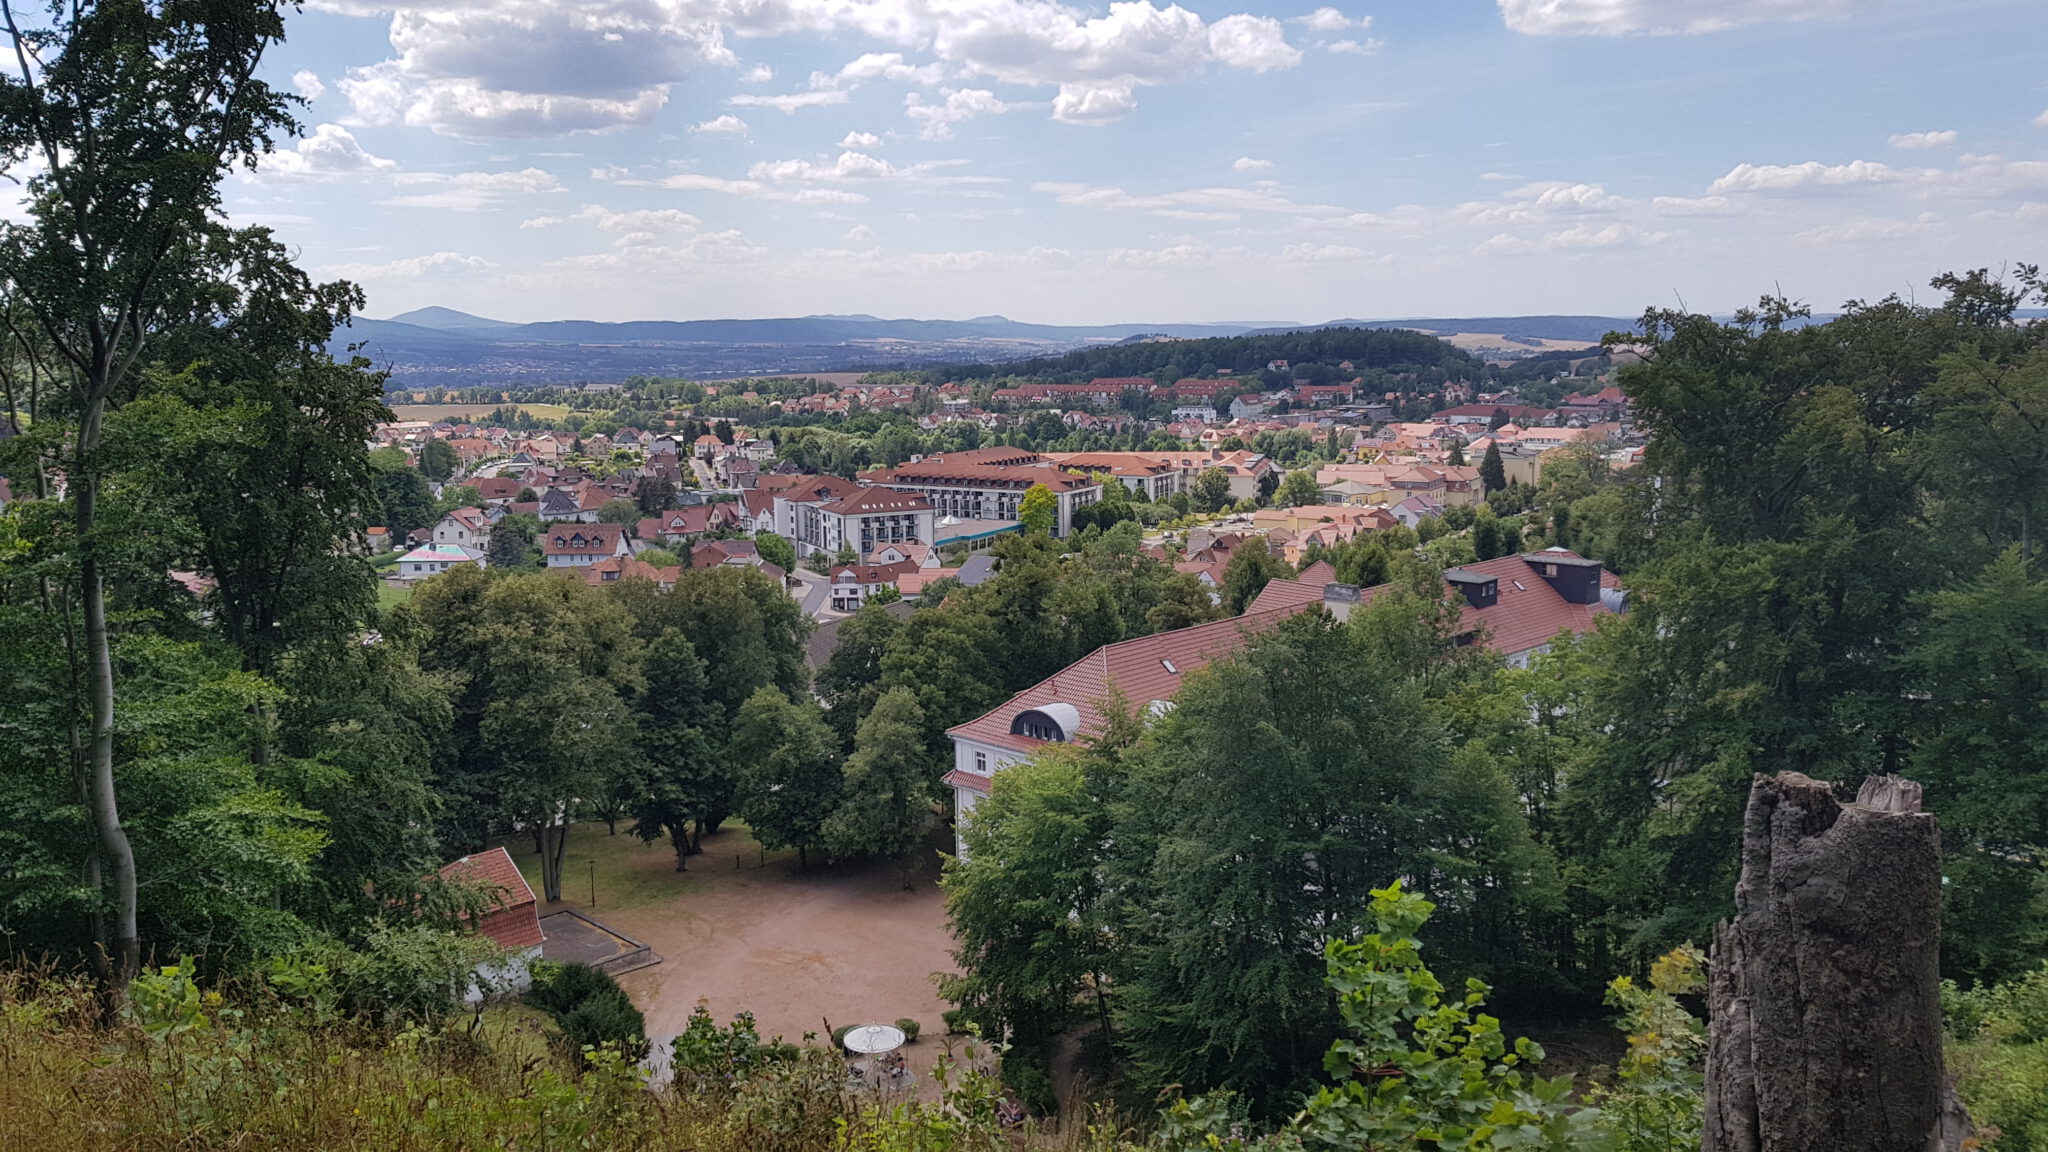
x=874 y=1039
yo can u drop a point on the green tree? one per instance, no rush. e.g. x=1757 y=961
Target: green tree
x=1299 y=489
x=618 y=510
x=404 y=502
x=1250 y=569
x=887 y=806
x=850 y=681
x=1211 y=490
x=1422 y=1067
x=438 y=460
x=1456 y=456
x=789 y=774
x=544 y=667
x=1493 y=474
x=512 y=542
x=775 y=550
x=654 y=495
x=1039 y=510
x=684 y=783
x=130 y=117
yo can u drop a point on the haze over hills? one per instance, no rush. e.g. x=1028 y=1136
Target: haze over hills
x=442 y=347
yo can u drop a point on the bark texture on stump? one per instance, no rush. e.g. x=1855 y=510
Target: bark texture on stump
x=1824 y=990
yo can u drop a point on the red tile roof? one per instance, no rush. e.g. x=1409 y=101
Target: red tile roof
x=1146 y=669
x=876 y=501
x=1289 y=594
x=514 y=922
x=1318 y=574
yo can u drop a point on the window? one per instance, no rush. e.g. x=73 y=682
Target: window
x=981 y=763
x=1168 y=665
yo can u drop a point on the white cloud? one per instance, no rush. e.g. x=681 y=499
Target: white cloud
x=539 y=222
x=791 y=102
x=860 y=234
x=1912 y=140
x=330 y=152
x=755 y=189
x=1322 y=253
x=645 y=221
x=849 y=166
x=1581 y=237
x=410 y=268
x=470 y=191
x=860 y=140
x=385 y=94
x=1355 y=47
x=2041 y=121
x=1863 y=231
x=1192 y=203
x=1093 y=104
x=1784 y=178
x=959 y=105
x=306 y=83
x=890 y=66
x=1329 y=20
x=1247 y=164
x=1254 y=42
x=726 y=125
x=1662 y=17
x=758 y=74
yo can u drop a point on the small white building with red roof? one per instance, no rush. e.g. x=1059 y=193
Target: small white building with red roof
x=513 y=921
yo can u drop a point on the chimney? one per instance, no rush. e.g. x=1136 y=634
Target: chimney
x=1480 y=591
x=1576 y=578
x=1340 y=599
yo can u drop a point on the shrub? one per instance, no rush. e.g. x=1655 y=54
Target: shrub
x=1028 y=1074
x=910 y=1029
x=839 y=1035
x=589 y=1007
x=955 y=1020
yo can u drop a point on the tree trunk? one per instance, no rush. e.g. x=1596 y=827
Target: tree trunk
x=1824 y=990
x=554 y=845
x=679 y=839
x=122 y=943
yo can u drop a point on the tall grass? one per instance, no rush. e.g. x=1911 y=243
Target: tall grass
x=247 y=1069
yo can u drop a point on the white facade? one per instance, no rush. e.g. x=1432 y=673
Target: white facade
x=430 y=560
x=973 y=764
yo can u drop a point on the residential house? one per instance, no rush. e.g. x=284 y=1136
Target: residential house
x=853 y=584
x=684 y=525
x=573 y=545
x=467 y=527
x=430 y=560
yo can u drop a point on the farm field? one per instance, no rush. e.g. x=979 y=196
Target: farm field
x=455 y=411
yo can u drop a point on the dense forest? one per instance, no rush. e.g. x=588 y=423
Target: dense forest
x=1378 y=354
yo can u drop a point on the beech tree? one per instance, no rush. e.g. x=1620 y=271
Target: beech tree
x=120 y=120
x=1039 y=510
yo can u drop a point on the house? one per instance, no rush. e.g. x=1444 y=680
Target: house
x=1415 y=509
x=726 y=553
x=916 y=555
x=513 y=923
x=566 y=506
x=1514 y=605
x=854 y=583
x=466 y=527
x=1195 y=414
x=570 y=545
x=683 y=525
x=430 y=560
x=616 y=568
x=497 y=489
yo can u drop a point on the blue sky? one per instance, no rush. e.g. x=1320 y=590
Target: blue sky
x=680 y=159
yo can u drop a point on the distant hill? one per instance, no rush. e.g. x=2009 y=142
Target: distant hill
x=443 y=347
x=449 y=320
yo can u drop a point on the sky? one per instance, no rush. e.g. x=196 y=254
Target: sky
x=1133 y=163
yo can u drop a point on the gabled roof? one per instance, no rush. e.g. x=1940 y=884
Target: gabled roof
x=583 y=539
x=513 y=922
x=1292 y=595
x=1318 y=574
x=444 y=553
x=1146 y=669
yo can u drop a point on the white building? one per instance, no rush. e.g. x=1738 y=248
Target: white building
x=429 y=560
x=464 y=528
x=578 y=545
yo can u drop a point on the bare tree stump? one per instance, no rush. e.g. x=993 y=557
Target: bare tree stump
x=1824 y=991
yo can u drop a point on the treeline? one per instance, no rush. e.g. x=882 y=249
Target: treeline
x=1834 y=568
x=1377 y=353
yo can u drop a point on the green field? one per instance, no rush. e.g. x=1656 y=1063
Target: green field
x=390 y=596
x=464 y=411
